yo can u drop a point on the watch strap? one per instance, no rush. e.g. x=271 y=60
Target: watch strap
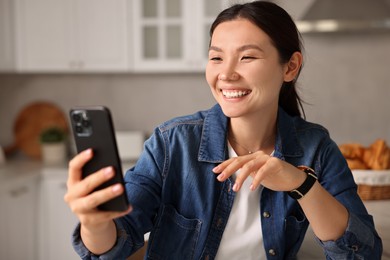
x=301 y=191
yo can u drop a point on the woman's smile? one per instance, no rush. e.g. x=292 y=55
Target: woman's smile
x=234 y=93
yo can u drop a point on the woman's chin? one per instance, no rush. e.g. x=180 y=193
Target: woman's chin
x=232 y=112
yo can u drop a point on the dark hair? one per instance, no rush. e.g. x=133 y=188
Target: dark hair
x=280 y=27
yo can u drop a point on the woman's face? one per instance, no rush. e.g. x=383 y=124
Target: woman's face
x=244 y=70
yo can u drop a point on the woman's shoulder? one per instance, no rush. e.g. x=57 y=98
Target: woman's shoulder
x=299 y=125
x=303 y=125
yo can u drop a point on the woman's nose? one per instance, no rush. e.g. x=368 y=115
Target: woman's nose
x=228 y=73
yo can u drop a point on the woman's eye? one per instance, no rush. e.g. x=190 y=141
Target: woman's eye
x=248 y=58
x=215 y=59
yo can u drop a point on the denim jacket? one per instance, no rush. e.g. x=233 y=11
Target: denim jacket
x=176 y=196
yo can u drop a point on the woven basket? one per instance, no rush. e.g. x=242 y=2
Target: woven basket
x=372 y=184
x=371 y=192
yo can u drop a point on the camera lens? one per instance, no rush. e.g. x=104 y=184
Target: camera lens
x=86 y=123
x=76 y=117
x=79 y=129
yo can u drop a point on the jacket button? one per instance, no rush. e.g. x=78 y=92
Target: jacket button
x=272 y=252
x=266 y=214
x=355 y=248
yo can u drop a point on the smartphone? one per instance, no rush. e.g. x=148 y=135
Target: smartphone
x=92 y=127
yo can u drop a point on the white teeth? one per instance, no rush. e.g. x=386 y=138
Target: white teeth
x=234 y=93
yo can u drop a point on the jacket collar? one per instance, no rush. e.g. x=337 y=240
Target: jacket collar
x=213 y=144
x=287 y=143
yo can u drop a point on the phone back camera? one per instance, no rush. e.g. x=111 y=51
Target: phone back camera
x=81 y=123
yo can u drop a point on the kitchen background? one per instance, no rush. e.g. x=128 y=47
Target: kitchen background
x=344 y=82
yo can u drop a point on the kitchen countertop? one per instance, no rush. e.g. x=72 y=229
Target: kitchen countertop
x=15 y=171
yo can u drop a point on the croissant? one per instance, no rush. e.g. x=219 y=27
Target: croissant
x=352 y=151
x=377 y=156
x=355 y=164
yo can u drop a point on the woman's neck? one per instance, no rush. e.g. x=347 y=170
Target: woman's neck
x=248 y=135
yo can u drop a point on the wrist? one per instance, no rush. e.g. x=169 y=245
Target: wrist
x=99 y=240
x=97 y=230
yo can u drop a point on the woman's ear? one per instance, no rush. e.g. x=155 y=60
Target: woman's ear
x=293 y=66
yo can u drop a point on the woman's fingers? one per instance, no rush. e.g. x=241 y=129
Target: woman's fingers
x=252 y=168
x=76 y=165
x=247 y=164
x=262 y=172
x=90 y=202
x=227 y=168
x=82 y=197
x=220 y=167
x=89 y=184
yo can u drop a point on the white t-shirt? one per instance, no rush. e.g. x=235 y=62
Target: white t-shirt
x=242 y=237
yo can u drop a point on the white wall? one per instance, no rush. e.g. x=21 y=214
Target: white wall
x=346 y=78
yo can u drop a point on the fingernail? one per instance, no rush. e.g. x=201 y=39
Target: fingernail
x=88 y=152
x=220 y=177
x=236 y=187
x=216 y=169
x=117 y=188
x=252 y=187
x=108 y=172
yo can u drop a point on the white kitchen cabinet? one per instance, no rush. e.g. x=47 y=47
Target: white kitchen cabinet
x=172 y=35
x=72 y=35
x=7 y=50
x=57 y=222
x=18 y=218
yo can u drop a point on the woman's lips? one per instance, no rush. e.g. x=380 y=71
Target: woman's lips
x=235 y=93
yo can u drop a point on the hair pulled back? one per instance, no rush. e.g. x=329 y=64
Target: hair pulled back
x=280 y=27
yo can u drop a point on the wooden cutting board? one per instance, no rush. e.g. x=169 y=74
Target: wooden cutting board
x=31 y=121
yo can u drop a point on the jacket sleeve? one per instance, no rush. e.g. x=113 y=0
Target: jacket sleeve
x=360 y=240
x=114 y=253
x=143 y=185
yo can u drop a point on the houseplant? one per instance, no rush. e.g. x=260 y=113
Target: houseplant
x=53 y=145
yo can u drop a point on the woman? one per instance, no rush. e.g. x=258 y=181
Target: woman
x=242 y=180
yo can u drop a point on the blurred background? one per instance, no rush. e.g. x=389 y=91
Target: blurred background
x=145 y=60
x=344 y=81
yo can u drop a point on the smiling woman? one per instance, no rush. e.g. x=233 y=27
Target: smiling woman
x=246 y=72
x=201 y=190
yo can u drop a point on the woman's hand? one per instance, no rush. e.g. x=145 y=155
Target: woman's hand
x=266 y=170
x=81 y=198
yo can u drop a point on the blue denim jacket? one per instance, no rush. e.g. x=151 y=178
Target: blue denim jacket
x=176 y=196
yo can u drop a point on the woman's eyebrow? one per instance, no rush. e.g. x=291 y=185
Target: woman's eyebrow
x=250 y=46
x=215 y=48
x=242 y=48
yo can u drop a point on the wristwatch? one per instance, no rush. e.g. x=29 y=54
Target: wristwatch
x=301 y=191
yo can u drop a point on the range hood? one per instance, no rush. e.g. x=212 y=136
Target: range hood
x=332 y=16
